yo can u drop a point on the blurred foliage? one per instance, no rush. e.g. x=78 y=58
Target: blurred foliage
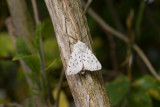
x=118 y=89
x=141 y=89
x=140 y=99
x=63 y=102
x=148 y=85
x=7 y=49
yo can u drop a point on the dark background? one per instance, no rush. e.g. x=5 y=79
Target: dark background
x=127 y=85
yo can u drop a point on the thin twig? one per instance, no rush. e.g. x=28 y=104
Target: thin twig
x=146 y=61
x=36 y=15
x=112 y=46
x=115 y=15
x=87 y=6
x=59 y=88
x=105 y=26
x=121 y=36
x=140 y=17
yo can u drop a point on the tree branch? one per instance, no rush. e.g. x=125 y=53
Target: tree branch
x=121 y=36
x=69 y=22
x=87 y=6
x=35 y=11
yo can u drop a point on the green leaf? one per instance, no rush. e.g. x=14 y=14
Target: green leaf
x=47 y=30
x=51 y=52
x=140 y=99
x=118 y=89
x=32 y=61
x=31 y=76
x=18 y=57
x=22 y=47
x=154 y=92
x=39 y=28
x=31 y=102
x=149 y=85
x=145 y=83
x=51 y=65
x=6 y=45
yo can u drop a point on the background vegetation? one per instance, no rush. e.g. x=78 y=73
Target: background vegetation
x=127 y=78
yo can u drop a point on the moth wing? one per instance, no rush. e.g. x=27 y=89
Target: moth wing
x=75 y=64
x=90 y=61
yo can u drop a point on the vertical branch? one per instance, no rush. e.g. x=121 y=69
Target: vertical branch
x=67 y=16
x=139 y=17
x=22 y=21
x=23 y=26
x=130 y=36
x=112 y=46
x=35 y=11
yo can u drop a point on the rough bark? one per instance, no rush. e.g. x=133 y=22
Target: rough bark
x=70 y=24
x=21 y=24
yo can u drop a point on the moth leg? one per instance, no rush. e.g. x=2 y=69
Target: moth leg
x=83 y=70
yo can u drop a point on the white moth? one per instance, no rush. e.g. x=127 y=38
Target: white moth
x=82 y=58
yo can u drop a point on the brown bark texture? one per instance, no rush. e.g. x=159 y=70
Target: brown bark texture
x=70 y=25
x=21 y=24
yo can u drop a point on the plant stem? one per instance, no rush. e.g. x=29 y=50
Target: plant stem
x=59 y=88
x=36 y=15
x=140 y=16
